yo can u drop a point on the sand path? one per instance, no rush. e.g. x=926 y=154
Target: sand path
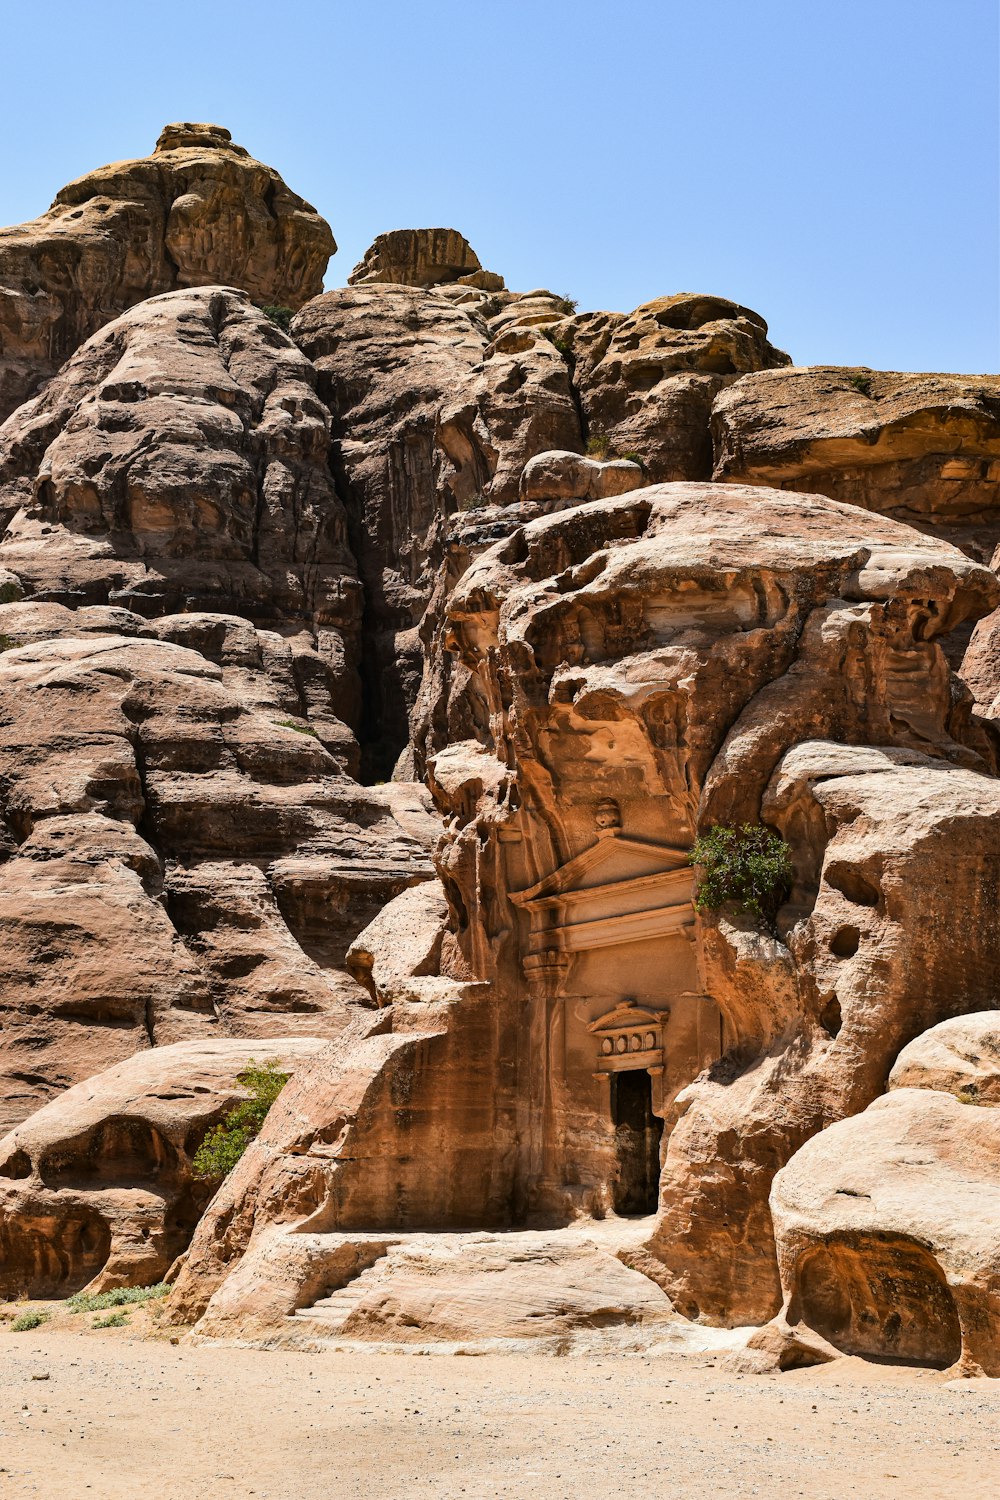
x=122 y=1417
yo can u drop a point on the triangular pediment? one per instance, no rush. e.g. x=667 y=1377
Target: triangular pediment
x=625 y=1015
x=613 y=858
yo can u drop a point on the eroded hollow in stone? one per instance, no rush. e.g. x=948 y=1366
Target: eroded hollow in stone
x=850 y=882
x=882 y=1297
x=119 y=1151
x=43 y=1257
x=845 y=942
x=830 y=1017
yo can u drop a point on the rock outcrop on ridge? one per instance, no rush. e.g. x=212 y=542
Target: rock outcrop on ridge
x=423 y=257
x=199 y=211
x=467 y=538
x=924 y=449
x=179 y=463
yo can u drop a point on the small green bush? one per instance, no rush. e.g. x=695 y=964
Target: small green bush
x=567 y=305
x=7 y=642
x=751 y=866
x=862 y=383
x=598 y=445
x=113 y=1320
x=121 y=1296
x=299 y=728
x=29 y=1320
x=280 y=316
x=225 y=1144
x=635 y=458
x=564 y=347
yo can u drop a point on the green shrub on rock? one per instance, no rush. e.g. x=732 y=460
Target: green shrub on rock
x=280 y=316
x=225 y=1144
x=750 y=866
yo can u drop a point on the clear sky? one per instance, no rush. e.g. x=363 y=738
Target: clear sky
x=831 y=163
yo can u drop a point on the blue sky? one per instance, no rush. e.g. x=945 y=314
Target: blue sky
x=831 y=163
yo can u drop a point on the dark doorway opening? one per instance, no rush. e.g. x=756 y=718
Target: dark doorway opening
x=637 y=1142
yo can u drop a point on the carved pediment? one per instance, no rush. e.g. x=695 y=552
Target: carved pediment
x=613 y=858
x=629 y=1037
x=627 y=1014
x=620 y=890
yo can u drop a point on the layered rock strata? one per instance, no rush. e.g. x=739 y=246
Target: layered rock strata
x=924 y=449
x=179 y=697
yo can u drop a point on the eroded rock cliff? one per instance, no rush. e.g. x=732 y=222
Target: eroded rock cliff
x=465 y=536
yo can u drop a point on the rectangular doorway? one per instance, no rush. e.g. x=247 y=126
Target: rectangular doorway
x=637 y=1143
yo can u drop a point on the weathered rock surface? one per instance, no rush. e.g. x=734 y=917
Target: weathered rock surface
x=239 y=568
x=178 y=462
x=615 y=661
x=96 y=1188
x=887 y=1233
x=890 y=846
x=423 y=257
x=960 y=1056
x=181 y=856
x=980 y=667
x=184 y=849
x=647 y=380
x=922 y=448
x=627 y=657
x=556 y=1292
x=430 y=415
x=569 y=476
x=199 y=211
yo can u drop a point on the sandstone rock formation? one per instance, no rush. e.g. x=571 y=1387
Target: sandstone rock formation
x=871 y=958
x=647 y=381
x=568 y=476
x=641 y=665
x=443 y=393
x=960 y=1056
x=430 y=414
x=244 y=571
x=198 y=211
x=182 y=856
x=475 y=1292
x=980 y=667
x=423 y=257
x=178 y=462
x=96 y=1188
x=180 y=694
x=886 y=1226
x=922 y=448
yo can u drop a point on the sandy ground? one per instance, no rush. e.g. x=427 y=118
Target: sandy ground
x=106 y=1414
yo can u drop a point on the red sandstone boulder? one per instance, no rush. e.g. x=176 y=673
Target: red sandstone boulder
x=96 y=1188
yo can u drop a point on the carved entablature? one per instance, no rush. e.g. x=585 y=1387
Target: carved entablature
x=629 y=1037
x=620 y=890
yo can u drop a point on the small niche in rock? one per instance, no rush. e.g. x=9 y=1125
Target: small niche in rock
x=849 y=881
x=17 y=1165
x=830 y=1018
x=845 y=942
